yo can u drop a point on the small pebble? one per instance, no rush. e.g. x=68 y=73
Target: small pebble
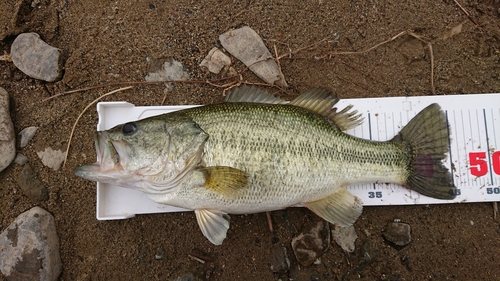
x=215 y=61
x=345 y=237
x=280 y=263
x=51 y=158
x=21 y=159
x=398 y=233
x=31 y=186
x=29 y=247
x=309 y=245
x=26 y=135
x=36 y=58
x=7 y=135
x=159 y=254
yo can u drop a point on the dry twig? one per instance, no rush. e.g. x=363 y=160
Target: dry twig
x=135 y=83
x=429 y=45
x=166 y=94
x=330 y=55
x=83 y=111
x=197 y=259
x=466 y=13
x=269 y=222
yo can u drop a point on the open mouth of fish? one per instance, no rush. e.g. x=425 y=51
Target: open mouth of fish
x=112 y=156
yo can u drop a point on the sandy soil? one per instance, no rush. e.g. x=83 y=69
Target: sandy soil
x=110 y=41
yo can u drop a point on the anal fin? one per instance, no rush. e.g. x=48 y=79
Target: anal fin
x=341 y=207
x=213 y=224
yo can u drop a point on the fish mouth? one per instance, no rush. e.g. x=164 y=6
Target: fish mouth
x=111 y=157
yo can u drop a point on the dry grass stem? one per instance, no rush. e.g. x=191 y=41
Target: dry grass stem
x=269 y=222
x=431 y=54
x=329 y=55
x=371 y=48
x=135 y=83
x=466 y=13
x=166 y=94
x=197 y=259
x=81 y=113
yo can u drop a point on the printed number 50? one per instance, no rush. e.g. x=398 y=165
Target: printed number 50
x=479 y=165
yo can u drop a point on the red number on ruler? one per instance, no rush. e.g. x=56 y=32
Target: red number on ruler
x=479 y=165
x=495 y=161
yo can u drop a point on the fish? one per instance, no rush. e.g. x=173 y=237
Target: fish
x=255 y=152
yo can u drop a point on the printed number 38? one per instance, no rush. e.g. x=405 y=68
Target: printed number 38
x=479 y=164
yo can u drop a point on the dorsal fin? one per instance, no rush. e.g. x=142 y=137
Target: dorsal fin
x=254 y=94
x=320 y=101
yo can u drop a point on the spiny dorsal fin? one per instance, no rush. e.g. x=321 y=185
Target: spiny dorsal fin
x=224 y=180
x=253 y=94
x=320 y=101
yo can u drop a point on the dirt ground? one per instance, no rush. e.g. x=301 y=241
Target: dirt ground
x=119 y=41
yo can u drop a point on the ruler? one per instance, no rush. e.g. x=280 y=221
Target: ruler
x=474 y=158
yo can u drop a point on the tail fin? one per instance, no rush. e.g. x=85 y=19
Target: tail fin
x=428 y=137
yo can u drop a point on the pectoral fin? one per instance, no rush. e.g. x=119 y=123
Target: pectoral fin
x=213 y=223
x=341 y=208
x=225 y=180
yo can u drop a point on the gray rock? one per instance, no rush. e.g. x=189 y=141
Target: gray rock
x=29 y=247
x=309 y=246
x=345 y=237
x=51 y=158
x=7 y=135
x=171 y=71
x=216 y=60
x=31 y=186
x=21 y=159
x=26 y=135
x=36 y=58
x=247 y=46
x=280 y=263
x=398 y=233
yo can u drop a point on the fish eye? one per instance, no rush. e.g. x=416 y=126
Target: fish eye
x=129 y=128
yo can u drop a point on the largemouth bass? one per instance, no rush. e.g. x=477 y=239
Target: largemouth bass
x=256 y=153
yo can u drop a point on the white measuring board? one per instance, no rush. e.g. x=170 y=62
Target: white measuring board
x=474 y=158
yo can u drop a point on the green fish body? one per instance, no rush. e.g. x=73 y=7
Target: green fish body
x=256 y=153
